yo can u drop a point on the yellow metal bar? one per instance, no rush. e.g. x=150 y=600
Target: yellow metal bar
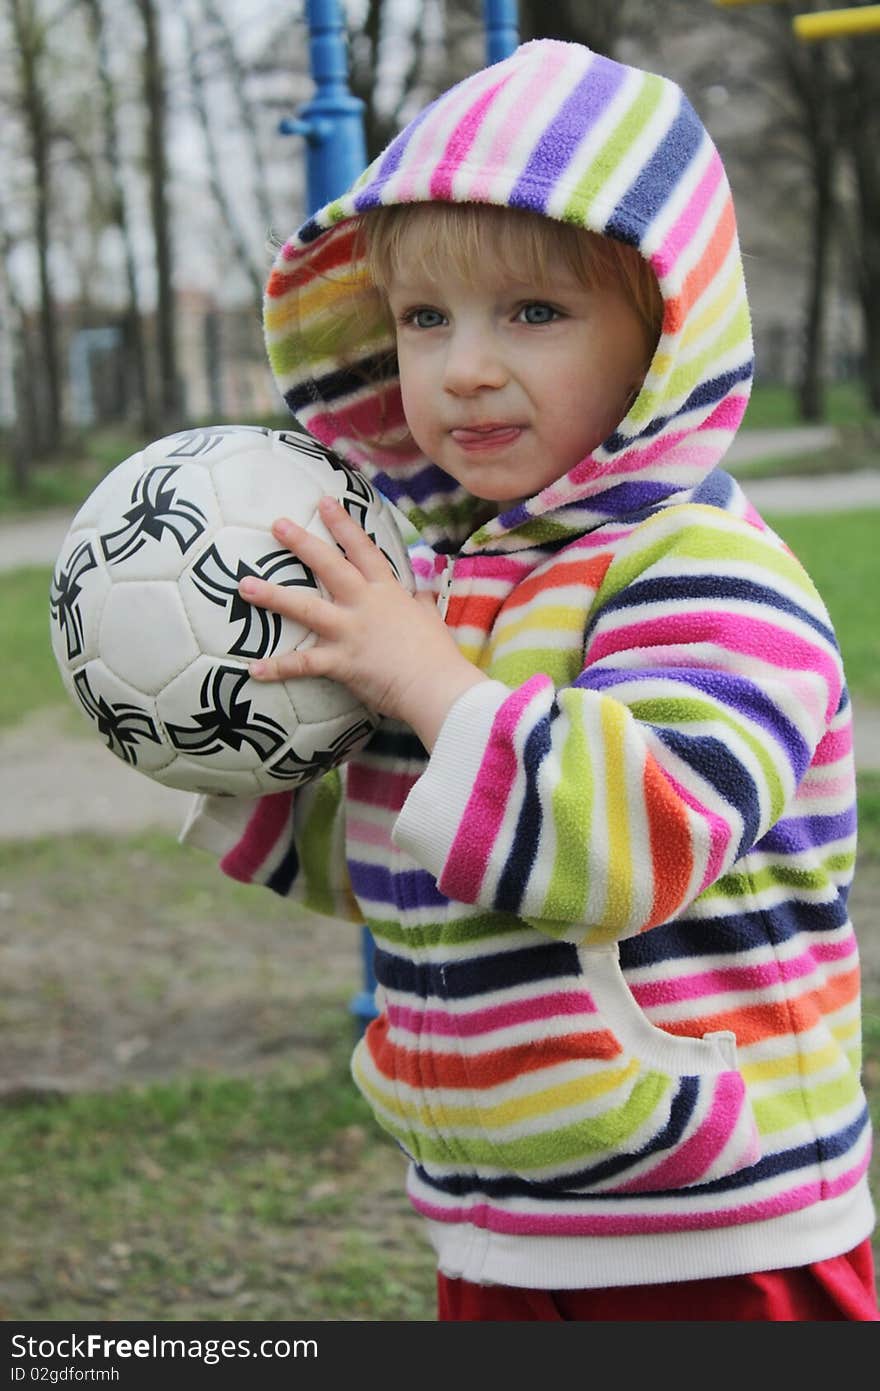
x=836 y=24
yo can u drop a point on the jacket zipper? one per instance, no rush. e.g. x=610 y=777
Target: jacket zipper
x=445 y=587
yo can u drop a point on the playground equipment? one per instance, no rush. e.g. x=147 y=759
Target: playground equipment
x=332 y=124
x=837 y=24
x=824 y=24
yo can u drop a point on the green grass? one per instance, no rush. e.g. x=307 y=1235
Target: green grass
x=229 y=1171
x=869 y=814
x=30 y=680
x=210 y=1199
x=68 y=480
x=776 y=406
x=866 y=916
x=839 y=551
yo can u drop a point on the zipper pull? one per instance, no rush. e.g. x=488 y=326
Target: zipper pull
x=445 y=587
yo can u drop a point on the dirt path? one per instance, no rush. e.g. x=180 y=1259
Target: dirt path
x=53 y=781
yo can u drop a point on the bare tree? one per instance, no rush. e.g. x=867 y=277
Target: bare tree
x=599 y=25
x=800 y=81
x=825 y=99
x=859 y=124
x=366 y=44
x=247 y=115
x=219 y=191
x=117 y=208
x=155 y=111
x=25 y=431
x=29 y=33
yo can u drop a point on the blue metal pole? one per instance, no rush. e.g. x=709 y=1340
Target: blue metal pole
x=333 y=121
x=333 y=126
x=502 y=28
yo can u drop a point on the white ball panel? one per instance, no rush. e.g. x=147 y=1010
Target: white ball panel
x=192 y=775
x=317 y=699
x=146 y=636
x=388 y=538
x=109 y=497
x=254 y=488
x=325 y=743
x=310 y=459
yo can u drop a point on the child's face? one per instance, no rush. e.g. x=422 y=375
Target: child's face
x=507 y=384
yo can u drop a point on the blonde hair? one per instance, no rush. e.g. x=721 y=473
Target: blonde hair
x=463 y=235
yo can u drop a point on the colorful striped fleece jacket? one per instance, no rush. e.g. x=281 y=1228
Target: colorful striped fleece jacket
x=619 y=1029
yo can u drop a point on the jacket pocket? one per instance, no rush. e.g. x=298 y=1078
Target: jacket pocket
x=609 y=1103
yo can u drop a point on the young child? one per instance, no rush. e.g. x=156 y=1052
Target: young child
x=604 y=833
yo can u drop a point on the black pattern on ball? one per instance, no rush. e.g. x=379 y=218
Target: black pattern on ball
x=156 y=509
x=225 y=720
x=290 y=765
x=121 y=726
x=194 y=444
x=64 y=594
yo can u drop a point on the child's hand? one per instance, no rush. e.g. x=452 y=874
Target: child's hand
x=391 y=648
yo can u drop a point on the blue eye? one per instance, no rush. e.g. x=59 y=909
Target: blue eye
x=425 y=318
x=538 y=313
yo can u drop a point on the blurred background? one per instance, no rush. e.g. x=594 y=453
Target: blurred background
x=144 y=182
x=179 y=1135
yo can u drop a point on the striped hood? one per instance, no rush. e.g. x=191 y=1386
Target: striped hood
x=561 y=131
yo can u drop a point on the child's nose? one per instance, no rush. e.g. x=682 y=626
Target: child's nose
x=473 y=363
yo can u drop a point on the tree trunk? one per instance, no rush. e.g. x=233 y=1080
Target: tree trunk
x=598 y=25
x=135 y=349
x=811 y=387
x=222 y=200
x=238 y=78
x=863 y=132
x=30 y=43
x=811 y=83
x=170 y=395
x=24 y=436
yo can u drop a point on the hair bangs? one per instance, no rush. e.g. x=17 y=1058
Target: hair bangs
x=432 y=239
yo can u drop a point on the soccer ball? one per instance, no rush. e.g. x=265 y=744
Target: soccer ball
x=152 y=638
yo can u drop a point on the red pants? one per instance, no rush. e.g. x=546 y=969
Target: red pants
x=837 y=1289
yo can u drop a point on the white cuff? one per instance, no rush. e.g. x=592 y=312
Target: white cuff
x=431 y=815
x=216 y=824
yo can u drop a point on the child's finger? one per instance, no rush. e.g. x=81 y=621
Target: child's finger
x=287 y=666
x=359 y=549
x=302 y=605
x=328 y=563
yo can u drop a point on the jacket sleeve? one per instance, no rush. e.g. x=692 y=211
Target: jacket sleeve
x=291 y=842
x=600 y=809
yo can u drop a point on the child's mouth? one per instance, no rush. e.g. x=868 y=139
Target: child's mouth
x=477 y=437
